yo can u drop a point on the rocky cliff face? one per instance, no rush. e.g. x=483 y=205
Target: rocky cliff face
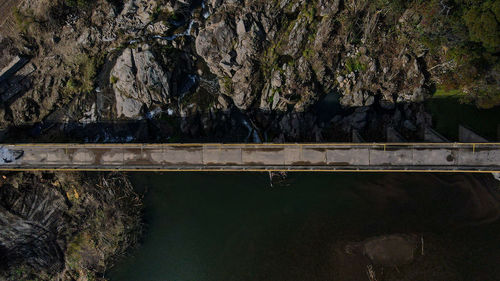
x=111 y=60
x=281 y=54
x=64 y=226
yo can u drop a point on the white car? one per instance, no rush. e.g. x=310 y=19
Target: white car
x=9 y=155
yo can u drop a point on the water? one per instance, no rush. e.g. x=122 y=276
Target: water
x=328 y=107
x=227 y=226
x=448 y=113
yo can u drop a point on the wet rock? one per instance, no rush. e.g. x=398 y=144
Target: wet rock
x=409 y=125
x=358 y=119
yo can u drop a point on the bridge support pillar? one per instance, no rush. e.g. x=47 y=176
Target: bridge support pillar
x=394 y=136
x=356 y=137
x=467 y=135
x=431 y=135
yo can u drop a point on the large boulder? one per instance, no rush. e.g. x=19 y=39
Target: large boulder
x=230 y=47
x=139 y=81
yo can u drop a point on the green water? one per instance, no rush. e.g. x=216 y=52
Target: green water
x=210 y=226
x=215 y=226
x=448 y=113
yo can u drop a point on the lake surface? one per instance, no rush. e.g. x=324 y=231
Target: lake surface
x=227 y=226
x=448 y=113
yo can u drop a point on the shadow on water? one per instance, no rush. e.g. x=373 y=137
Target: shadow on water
x=160 y=130
x=449 y=113
x=328 y=107
x=219 y=126
x=235 y=227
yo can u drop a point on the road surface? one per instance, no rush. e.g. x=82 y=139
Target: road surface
x=432 y=157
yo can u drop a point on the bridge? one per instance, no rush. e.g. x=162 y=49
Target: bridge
x=341 y=157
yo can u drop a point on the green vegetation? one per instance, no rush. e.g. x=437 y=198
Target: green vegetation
x=392 y=9
x=160 y=14
x=113 y=79
x=462 y=35
x=106 y=228
x=80 y=4
x=482 y=20
x=203 y=99
x=85 y=71
x=227 y=83
x=308 y=53
x=270 y=59
x=354 y=65
x=23 y=272
x=73 y=85
x=75 y=248
x=465 y=33
x=482 y=99
x=103 y=222
x=274 y=55
x=270 y=99
x=23 y=21
x=442 y=93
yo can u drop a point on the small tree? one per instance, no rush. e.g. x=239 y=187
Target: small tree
x=483 y=24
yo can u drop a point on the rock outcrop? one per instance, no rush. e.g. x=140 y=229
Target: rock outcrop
x=64 y=226
x=138 y=81
x=285 y=54
x=123 y=59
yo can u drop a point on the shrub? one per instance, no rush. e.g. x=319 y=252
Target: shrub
x=78 y=3
x=483 y=24
x=468 y=36
x=227 y=83
x=23 y=21
x=113 y=79
x=73 y=85
x=354 y=65
x=86 y=70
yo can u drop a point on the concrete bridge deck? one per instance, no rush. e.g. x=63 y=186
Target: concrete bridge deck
x=401 y=157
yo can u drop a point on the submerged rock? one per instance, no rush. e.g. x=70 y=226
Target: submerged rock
x=391 y=250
